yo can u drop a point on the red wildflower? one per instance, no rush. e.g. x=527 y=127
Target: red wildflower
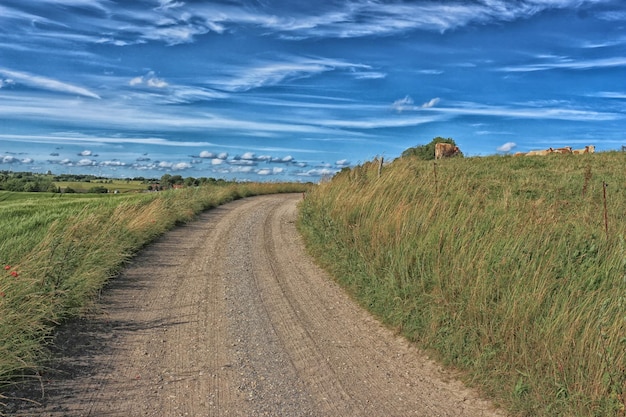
x=7 y=267
x=2 y=294
x=14 y=273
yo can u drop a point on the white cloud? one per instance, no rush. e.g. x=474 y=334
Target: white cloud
x=180 y=166
x=432 y=103
x=430 y=72
x=507 y=147
x=45 y=83
x=85 y=162
x=539 y=113
x=170 y=4
x=175 y=35
x=156 y=83
x=613 y=15
x=127 y=115
x=207 y=154
x=176 y=22
x=268 y=171
x=342 y=163
x=567 y=63
x=403 y=104
x=317 y=172
x=371 y=75
x=6 y=82
x=407 y=103
x=112 y=163
x=242 y=162
x=136 y=81
x=374 y=18
x=148 y=80
x=239 y=169
x=286 y=68
x=378 y=123
x=610 y=94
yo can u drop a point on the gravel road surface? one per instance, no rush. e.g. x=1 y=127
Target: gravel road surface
x=228 y=316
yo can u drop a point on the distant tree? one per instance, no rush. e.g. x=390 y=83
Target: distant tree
x=191 y=182
x=14 y=184
x=427 y=152
x=177 y=179
x=166 y=181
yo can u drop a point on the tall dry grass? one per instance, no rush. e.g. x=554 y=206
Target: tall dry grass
x=60 y=252
x=501 y=265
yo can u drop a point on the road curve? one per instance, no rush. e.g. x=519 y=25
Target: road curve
x=228 y=316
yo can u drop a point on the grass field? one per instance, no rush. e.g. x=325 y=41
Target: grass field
x=57 y=251
x=510 y=269
x=122 y=186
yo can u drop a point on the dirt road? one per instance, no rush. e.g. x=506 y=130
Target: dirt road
x=227 y=316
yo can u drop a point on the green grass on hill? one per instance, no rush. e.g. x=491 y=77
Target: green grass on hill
x=506 y=267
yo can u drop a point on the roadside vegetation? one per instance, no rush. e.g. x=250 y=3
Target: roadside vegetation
x=57 y=251
x=510 y=269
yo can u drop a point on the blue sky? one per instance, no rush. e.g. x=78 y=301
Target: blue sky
x=277 y=90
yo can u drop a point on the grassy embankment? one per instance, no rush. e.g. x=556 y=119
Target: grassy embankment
x=503 y=267
x=57 y=252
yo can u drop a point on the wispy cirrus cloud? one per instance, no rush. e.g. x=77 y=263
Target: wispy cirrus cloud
x=124 y=114
x=72 y=138
x=377 y=18
x=177 y=22
x=530 y=112
x=46 y=83
x=380 y=122
x=610 y=94
x=283 y=69
x=63 y=139
x=567 y=63
x=90 y=4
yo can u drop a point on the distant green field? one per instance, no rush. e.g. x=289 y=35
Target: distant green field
x=11 y=196
x=123 y=186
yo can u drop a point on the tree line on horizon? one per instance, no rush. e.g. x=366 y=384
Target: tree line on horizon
x=34 y=182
